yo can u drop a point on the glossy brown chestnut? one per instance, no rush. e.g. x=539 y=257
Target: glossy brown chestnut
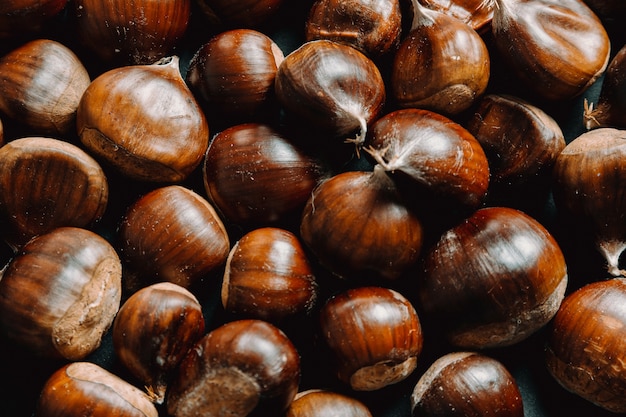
x=257 y=175
x=589 y=180
x=558 y=48
x=374 y=336
x=41 y=83
x=323 y=403
x=249 y=14
x=475 y=13
x=441 y=65
x=587 y=343
x=60 y=293
x=172 y=234
x=358 y=226
x=241 y=368
x=466 y=384
x=332 y=87
x=152 y=332
x=47 y=183
x=268 y=276
x=144 y=121
x=234 y=72
x=87 y=389
x=137 y=32
x=27 y=17
x=434 y=151
x=493 y=280
x=373 y=27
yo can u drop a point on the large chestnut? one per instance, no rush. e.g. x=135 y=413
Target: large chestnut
x=60 y=293
x=41 y=83
x=374 y=336
x=241 y=368
x=324 y=403
x=492 y=280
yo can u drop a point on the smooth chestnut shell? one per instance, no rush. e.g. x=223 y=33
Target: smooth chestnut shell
x=136 y=32
x=372 y=26
x=358 y=226
x=84 y=387
x=558 y=48
x=374 y=336
x=493 y=280
x=268 y=276
x=41 y=84
x=152 y=332
x=60 y=293
x=324 y=403
x=47 y=183
x=586 y=345
x=467 y=384
x=144 y=121
x=240 y=367
x=172 y=234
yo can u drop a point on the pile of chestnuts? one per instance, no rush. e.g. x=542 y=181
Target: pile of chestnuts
x=392 y=208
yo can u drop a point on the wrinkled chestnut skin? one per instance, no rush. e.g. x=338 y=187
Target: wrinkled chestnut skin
x=47 y=183
x=323 y=403
x=466 y=384
x=374 y=335
x=268 y=276
x=152 y=332
x=373 y=27
x=41 y=83
x=492 y=280
x=243 y=367
x=172 y=234
x=19 y=17
x=587 y=344
x=475 y=13
x=88 y=390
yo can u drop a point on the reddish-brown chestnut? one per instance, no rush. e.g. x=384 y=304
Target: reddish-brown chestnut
x=324 y=403
x=494 y=279
x=374 y=336
x=87 y=389
x=152 y=332
x=60 y=293
x=172 y=234
x=241 y=367
x=268 y=276
x=466 y=384
x=586 y=348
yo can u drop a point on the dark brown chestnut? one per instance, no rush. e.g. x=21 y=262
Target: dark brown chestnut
x=27 y=17
x=373 y=27
x=257 y=175
x=558 y=48
x=144 y=121
x=324 y=403
x=172 y=234
x=358 y=226
x=60 y=293
x=467 y=384
x=47 y=183
x=442 y=64
x=586 y=344
x=249 y=14
x=138 y=32
x=241 y=368
x=87 y=389
x=475 y=13
x=268 y=276
x=374 y=336
x=152 y=332
x=493 y=280
x=41 y=83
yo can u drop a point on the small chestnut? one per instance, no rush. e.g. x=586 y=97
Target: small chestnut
x=324 y=403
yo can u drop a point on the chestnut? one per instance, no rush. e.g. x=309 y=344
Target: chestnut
x=41 y=83
x=27 y=17
x=47 y=183
x=476 y=13
x=152 y=332
x=240 y=368
x=87 y=389
x=268 y=276
x=587 y=343
x=493 y=279
x=374 y=336
x=249 y=14
x=466 y=384
x=60 y=293
x=323 y=403
x=172 y=234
